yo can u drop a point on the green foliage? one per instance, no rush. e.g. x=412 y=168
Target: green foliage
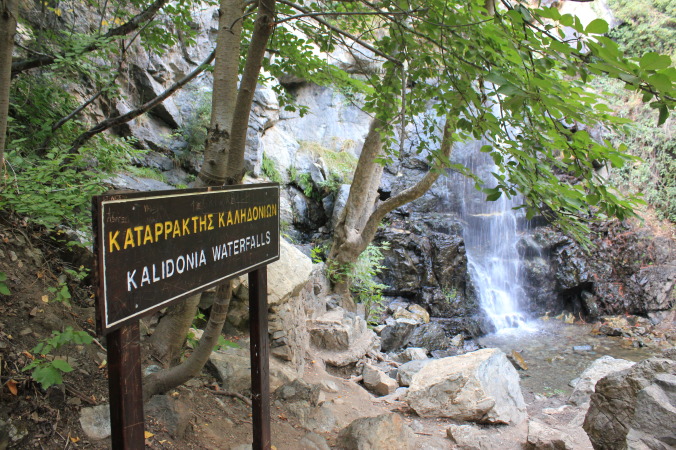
x=47 y=369
x=4 y=290
x=318 y=254
x=61 y=293
x=147 y=172
x=57 y=189
x=270 y=170
x=647 y=25
x=451 y=294
x=193 y=130
x=360 y=276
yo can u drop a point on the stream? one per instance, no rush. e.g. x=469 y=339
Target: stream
x=557 y=353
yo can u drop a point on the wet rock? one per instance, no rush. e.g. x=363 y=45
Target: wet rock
x=481 y=386
x=598 y=369
x=543 y=437
x=378 y=381
x=95 y=421
x=384 y=432
x=635 y=408
x=172 y=413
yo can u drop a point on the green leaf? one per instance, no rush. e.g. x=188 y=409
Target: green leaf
x=4 y=290
x=654 y=61
x=597 y=26
x=660 y=81
x=664 y=114
x=62 y=365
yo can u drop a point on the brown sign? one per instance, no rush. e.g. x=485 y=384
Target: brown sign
x=156 y=248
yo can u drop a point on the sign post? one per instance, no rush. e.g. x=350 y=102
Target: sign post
x=155 y=249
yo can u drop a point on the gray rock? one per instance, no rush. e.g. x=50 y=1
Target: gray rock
x=481 y=386
x=543 y=437
x=172 y=413
x=635 y=408
x=411 y=354
x=95 y=421
x=430 y=336
x=341 y=338
x=378 y=381
x=395 y=336
x=598 y=369
x=125 y=181
x=406 y=371
x=385 y=432
x=313 y=441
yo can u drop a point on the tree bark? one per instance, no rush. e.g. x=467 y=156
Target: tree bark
x=263 y=28
x=167 y=341
x=9 y=12
x=224 y=94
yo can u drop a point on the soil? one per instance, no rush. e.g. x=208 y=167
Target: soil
x=49 y=418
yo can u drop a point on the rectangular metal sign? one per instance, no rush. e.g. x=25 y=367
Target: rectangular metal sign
x=156 y=248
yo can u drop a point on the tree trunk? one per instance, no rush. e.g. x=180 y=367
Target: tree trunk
x=9 y=12
x=360 y=218
x=166 y=342
x=228 y=164
x=224 y=94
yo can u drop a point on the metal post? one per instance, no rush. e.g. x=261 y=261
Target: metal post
x=125 y=387
x=260 y=364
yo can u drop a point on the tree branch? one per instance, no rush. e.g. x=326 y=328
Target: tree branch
x=113 y=121
x=122 y=30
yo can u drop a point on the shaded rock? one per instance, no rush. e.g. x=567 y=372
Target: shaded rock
x=430 y=336
x=378 y=381
x=635 y=408
x=173 y=413
x=341 y=338
x=302 y=400
x=126 y=181
x=543 y=437
x=406 y=371
x=598 y=369
x=481 y=386
x=396 y=334
x=233 y=369
x=411 y=354
x=95 y=421
x=384 y=432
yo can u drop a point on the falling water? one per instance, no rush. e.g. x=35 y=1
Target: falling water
x=491 y=235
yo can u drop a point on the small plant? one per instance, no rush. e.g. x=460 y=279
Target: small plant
x=450 y=294
x=61 y=293
x=269 y=169
x=47 y=369
x=148 y=172
x=318 y=254
x=4 y=290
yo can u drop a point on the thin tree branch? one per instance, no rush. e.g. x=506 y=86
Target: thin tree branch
x=113 y=121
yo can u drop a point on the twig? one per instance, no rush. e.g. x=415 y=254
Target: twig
x=79 y=395
x=233 y=394
x=96 y=341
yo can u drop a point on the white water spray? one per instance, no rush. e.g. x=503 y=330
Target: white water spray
x=491 y=235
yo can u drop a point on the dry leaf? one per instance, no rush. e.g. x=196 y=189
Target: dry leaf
x=11 y=385
x=75 y=440
x=27 y=355
x=103 y=364
x=148 y=434
x=33 y=312
x=45 y=298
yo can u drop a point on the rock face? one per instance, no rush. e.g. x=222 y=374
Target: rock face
x=481 y=386
x=598 y=369
x=384 y=432
x=635 y=408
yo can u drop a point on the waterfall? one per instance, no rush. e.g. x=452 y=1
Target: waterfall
x=491 y=235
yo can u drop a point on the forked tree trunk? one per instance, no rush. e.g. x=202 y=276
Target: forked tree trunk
x=361 y=217
x=228 y=168
x=9 y=11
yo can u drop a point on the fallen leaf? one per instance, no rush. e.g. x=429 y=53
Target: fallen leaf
x=75 y=440
x=148 y=435
x=27 y=355
x=34 y=312
x=45 y=298
x=11 y=385
x=103 y=364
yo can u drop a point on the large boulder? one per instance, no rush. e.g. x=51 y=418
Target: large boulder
x=598 y=369
x=385 y=432
x=341 y=338
x=635 y=408
x=481 y=386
